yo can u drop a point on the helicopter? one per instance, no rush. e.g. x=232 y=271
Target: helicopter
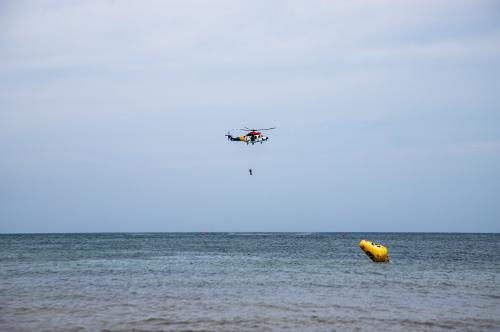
x=253 y=136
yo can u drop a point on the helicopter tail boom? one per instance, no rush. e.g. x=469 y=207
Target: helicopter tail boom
x=237 y=138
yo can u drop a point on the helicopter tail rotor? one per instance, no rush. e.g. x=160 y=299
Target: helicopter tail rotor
x=230 y=137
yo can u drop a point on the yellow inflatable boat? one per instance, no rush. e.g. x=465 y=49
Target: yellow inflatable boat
x=376 y=252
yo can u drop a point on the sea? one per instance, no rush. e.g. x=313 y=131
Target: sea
x=248 y=282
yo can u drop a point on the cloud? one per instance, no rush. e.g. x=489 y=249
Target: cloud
x=197 y=34
x=94 y=94
x=476 y=49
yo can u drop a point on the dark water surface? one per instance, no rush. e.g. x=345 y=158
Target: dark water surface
x=248 y=281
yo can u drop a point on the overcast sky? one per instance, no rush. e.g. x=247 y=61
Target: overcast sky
x=113 y=115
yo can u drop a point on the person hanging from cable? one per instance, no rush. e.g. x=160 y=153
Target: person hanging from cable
x=250 y=171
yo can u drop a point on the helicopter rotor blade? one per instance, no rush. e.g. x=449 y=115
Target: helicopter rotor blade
x=255 y=129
